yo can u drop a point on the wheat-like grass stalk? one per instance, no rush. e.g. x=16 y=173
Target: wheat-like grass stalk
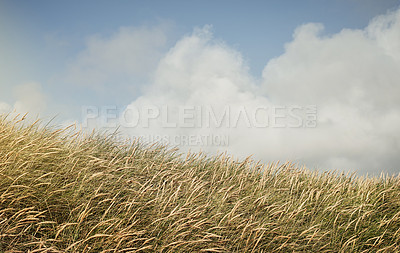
x=62 y=190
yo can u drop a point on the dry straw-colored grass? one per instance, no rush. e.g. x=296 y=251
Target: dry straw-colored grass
x=62 y=191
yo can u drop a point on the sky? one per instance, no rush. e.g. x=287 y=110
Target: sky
x=314 y=82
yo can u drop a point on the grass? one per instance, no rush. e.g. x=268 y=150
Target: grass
x=62 y=191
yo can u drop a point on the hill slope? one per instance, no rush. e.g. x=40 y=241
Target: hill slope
x=63 y=192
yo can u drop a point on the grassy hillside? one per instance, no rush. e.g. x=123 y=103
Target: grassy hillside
x=63 y=192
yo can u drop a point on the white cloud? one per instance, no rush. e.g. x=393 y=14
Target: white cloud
x=27 y=98
x=201 y=74
x=5 y=108
x=126 y=57
x=30 y=98
x=352 y=78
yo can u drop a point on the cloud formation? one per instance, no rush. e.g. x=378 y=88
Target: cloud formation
x=29 y=98
x=351 y=77
x=200 y=75
x=4 y=107
x=126 y=57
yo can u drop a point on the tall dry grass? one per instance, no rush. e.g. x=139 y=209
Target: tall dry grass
x=61 y=191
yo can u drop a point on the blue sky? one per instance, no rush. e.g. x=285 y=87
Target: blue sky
x=58 y=56
x=258 y=29
x=40 y=38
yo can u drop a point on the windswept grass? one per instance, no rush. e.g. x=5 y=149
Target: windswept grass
x=63 y=192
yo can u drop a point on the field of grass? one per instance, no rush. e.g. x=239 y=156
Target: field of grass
x=62 y=191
